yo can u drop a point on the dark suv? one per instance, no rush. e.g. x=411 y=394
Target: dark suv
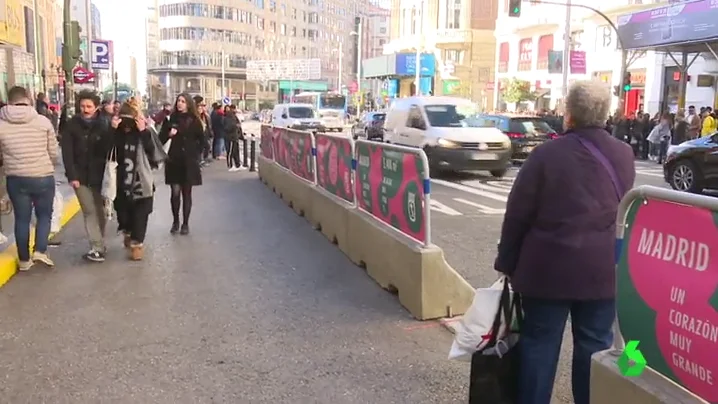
x=370 y=126
x=525 y=132
x=692 y=166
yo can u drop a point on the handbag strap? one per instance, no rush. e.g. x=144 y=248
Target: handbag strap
x=112 y=155
x=598 y=155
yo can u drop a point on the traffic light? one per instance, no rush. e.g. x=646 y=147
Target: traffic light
x=71 y=52
x=515 y=8
x=627 y=82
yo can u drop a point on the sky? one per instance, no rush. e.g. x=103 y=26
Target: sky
x=123 y=22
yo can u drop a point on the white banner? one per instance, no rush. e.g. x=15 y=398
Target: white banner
x=293 y=69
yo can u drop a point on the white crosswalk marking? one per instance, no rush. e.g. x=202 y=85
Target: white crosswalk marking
x=440 y=207
x=483 y=208
x=472 y=190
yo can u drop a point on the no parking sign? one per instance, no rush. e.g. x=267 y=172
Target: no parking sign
x=226 y=101
x=101 y=54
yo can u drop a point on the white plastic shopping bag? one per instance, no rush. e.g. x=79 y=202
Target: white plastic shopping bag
x=166 y=146
x=109 y=179
x=473 y=332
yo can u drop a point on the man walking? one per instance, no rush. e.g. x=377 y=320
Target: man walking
x=28 y=145
x=694 y=123
x=86 y=143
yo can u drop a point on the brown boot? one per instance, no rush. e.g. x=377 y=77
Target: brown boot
x=127 y=241
x=137 y=252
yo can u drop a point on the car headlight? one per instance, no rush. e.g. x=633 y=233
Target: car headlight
x=506 y=143
x=448 y=144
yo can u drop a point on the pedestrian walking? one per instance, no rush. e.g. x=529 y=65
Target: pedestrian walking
x=558 y=239
x=135 y=184
x=28 y=145
x=217 y=119
x=182 y=171
x=233 y=133
x=86 y=144
x=659 y=136
x=206 y=127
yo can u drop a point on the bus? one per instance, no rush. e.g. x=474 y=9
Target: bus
x=331 y=106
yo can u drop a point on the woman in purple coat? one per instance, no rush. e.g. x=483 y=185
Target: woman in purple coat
x=557 y=243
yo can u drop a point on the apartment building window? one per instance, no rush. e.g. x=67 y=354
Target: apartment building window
x=283 y=29
x=272 y=6
x=284 y=9
x=294 y=31
x=455 y=56
x=294 y=13
x=260 y=23
x=313 y=18
x=272 y=26
x=260 y=4
x=453 y=14
x=203 y=59
x=382 y=30
x=312 y=34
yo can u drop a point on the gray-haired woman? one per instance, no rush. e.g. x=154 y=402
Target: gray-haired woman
x=557 y=242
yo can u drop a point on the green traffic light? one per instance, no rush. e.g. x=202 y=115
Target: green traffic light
x=627 y=87
x=516 y=10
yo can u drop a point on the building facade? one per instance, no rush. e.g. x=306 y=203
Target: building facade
x=377 y=24
x=193 y=37
x=524 y=45
x=28 y=55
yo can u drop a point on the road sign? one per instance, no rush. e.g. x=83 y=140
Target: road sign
x=226 y=101
x=80 y=75
x=101 y=54
x=293 y=69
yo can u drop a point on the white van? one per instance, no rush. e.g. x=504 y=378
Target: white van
x=296 y=116
x=452 y=139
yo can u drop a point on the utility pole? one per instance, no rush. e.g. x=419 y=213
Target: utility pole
x=417 y=66
x=67 y=57
x=224 y=73
x=360 y=31
x=88 y=42
x=566 y=51
x=341 y=62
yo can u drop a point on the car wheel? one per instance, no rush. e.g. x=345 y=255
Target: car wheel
x=685 y=177
x=498 y=173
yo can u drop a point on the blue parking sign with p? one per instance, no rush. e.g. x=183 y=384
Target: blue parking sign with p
x=100 y=54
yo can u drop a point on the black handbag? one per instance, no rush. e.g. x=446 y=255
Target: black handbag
x=494 y=377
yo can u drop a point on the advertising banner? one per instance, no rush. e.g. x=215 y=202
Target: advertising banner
x=406 y=64
x=577 y=62
x=334 y=165
x=101 y=54
x=14 y=32
x=676 y=23
x=265 y=142
x=389 y=187
x=668 y=292
x=294 y=152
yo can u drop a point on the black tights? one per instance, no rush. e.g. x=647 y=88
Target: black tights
x=181 y=193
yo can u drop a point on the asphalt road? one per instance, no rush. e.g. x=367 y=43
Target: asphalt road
x=254 y=306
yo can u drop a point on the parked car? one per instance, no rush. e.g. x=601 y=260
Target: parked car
x=692 y=166
x=525 y=132
x=370 y=126
x=446 y=128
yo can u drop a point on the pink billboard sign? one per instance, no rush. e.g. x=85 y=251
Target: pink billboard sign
x=667 y=284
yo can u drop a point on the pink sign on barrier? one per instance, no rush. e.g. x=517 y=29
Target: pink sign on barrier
x=265 y=145
x=668 y=292
x=334 y=165
x=389 y=186
x=293 y=150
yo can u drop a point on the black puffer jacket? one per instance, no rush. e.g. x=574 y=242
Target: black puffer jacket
x=85 y=146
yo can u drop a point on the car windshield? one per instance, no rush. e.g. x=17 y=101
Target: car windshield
x=334 y=101
x=529 y=125
x=378 y=117
x=301 y=113
x=451 y=116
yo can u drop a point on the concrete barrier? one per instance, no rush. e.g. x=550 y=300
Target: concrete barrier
x=415 y=270
x=608 y=386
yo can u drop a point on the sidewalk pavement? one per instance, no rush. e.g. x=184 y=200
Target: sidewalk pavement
x=252 y=307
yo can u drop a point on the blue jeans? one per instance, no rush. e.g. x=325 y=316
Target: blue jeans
x=540 y=344
x=26 y=193
x=217 y=146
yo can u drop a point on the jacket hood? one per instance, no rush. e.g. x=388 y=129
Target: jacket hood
x=18 y=114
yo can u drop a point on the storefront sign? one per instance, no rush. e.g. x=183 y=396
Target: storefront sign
x=504 y=53
x=265 y=145
x=667 y=282
x=406 y=64
x=389 y=187
x=526 y=54
x=638 y=77
x=451 y=87
x=676 y=23
x=334 y=165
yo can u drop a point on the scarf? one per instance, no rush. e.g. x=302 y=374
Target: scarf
x=135 y=171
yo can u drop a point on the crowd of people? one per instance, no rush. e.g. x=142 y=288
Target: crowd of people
x=650 y=137
x=106 y=145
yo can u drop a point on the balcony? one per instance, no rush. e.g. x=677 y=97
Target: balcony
x=452 y=36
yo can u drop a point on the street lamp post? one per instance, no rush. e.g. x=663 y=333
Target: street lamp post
x=358 y=34
x=418 y=8
x=341 y=62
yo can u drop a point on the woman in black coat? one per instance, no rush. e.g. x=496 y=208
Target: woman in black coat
x=182 y=171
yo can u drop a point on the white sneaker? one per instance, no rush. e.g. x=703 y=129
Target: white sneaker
x=241 y=168
x=233 y=169
x=3 y=238
x=25 y=266
x=44 y=258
